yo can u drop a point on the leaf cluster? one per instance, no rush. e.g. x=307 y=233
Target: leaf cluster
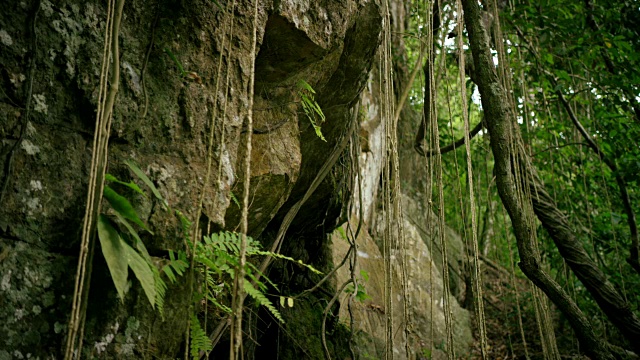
x=311 y=108
x=123 y=249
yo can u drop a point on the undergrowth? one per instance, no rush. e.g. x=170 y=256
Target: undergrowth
x=216 y=259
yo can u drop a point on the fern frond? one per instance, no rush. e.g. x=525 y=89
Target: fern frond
x=199 y=339
x=186 y=225
x=258 y=296
x=213 y=300
x=266 y=278
x=161 y=291
x=179 y=263
x=283 y=257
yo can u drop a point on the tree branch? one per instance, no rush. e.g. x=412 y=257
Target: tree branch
x=455 y=145
x=557 y=147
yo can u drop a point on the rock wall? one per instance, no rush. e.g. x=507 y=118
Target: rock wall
x=422 y=260
x=328 y=44
x=46 y=136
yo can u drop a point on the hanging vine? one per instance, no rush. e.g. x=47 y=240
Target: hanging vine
x=106 y=100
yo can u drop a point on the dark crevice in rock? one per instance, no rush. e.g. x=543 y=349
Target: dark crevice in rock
x=336 y=98
x=285 y=51
x=306 y=240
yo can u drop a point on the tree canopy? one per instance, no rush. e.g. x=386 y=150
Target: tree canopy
x=566 y=75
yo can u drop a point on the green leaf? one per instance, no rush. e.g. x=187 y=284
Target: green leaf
x=208 y=263
x=131 y=185
x=179 y=263
x=342 y=233
x=362 y=295
x=161 y=290
x=199 y=339
x=235 y=200
x=136 y=170
x=311 y=107
x=138 y=242
x=167 y=270
x=262 y=300
x=142 y=269
x=305 y=85
x=548 y=58
x=318 y=130
x=121 y=205
x=186 y=225
x=114 y=254
x=365 y=275
x=563 y=75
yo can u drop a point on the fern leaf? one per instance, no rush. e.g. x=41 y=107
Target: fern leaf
x=262 y=300
x=283 y=257
x=161 y=291
x=199 y=339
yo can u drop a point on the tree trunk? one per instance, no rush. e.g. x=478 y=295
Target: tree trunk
x=587 y=271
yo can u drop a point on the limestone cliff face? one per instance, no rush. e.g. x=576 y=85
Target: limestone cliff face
x=328 y=44
x=420 y=258
x=45 y=149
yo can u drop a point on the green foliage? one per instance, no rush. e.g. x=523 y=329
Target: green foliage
x=343 y=234
x=235 y=199
x=288 y=300
x=186 y=225
x=590 y=56
x=311 y=108
x=596 y=68
x=136 y=170
x=261 y=299
x=114 y=254
x=177 y=265
x=122 y=206
x=361 y=294
x=143 y=272
x=131 y=185
x=199 y=341
x=124 y=250
x=120 y=256
x=217 y=258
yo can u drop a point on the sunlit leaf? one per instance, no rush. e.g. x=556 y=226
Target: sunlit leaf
x=131 y=185
x=305 y=85
x=121 y=205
